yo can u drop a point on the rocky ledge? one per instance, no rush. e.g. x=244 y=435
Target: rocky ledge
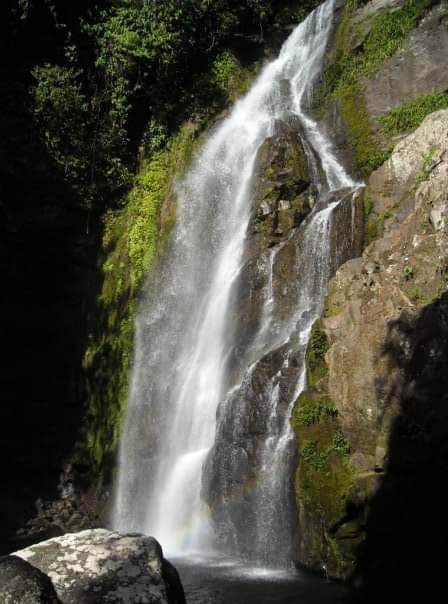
x=90 y=567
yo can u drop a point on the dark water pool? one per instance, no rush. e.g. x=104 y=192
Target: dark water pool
x=226 y=582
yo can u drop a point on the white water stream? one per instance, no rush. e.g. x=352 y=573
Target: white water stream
x=183 y=340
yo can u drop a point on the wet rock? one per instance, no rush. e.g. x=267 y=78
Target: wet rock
x=282 y=190
x=236 y=470
x=72 y=511
x=97 y=566
x=22 y=583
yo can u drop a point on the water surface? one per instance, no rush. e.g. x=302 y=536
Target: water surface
x=226 y=582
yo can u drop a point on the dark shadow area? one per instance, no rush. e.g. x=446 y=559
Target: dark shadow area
x=46 y=269
x=405 y=550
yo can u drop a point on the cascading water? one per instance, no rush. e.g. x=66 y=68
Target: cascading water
x=174 y=452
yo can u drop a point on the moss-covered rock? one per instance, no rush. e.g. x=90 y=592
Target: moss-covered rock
x=134 y=238
x=283 y=195
x=328 y=491
x=370 y=45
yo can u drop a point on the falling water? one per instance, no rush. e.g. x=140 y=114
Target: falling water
x=172 y=441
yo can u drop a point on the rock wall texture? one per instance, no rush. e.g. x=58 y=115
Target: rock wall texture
x=373 y=418
x=365 y=425
x=97 y=566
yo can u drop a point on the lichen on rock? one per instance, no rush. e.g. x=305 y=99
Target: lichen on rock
x=96 y=566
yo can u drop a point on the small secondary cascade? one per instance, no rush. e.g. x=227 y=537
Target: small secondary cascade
x=175 y=459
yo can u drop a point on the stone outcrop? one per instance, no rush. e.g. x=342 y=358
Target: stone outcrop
x=363 y=352
x=96 y=566
x=385 y=55
x=283 y=196
x=415 y=69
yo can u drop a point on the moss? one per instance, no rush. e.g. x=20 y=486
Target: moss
x=230 y=77
x=332 y=306
x=308 y=413
x=371 y=224
x=315 y=356
x=344 y=77
x=325 y=478
x=133 y=239
x=409 y=116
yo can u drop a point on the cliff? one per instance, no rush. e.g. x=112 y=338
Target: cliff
x=371 y=425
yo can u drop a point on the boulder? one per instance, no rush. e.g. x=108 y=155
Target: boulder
x=22 y=583
x=98 y=565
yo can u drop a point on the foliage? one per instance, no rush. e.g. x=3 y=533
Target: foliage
x=427 y=165
x=340 y=444
x=228 y=75
x=324 y=466
x=344 y=77
x=325 y=479
x=409 y=116
x=315 y=356
x=408 y=272
x=133 y=238
x=312 y=455
x=308 y=415
x=66 y=120
x=97 y=79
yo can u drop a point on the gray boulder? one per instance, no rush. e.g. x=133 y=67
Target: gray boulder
x=21 y=583
x=100 y=566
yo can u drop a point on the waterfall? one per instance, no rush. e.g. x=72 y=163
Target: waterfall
x=183 y=441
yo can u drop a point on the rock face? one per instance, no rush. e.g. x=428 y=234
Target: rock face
x=21 y=583
x=372 y=419
x=236 y=472
x=283 y=195
x=97 y=565
x=415 y=69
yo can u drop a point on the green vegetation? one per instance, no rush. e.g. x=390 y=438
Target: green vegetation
x=315 y=356
x=326 y=481
x=373 y=222
x=409 y=116
x=310 y=414
x=94 y=85
x=343 y=81
x=427 y=165
x=408 y=272
x=417 y=296
x=133 y=238
x=370 y=220
x=230 y=77
x=325 y=477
